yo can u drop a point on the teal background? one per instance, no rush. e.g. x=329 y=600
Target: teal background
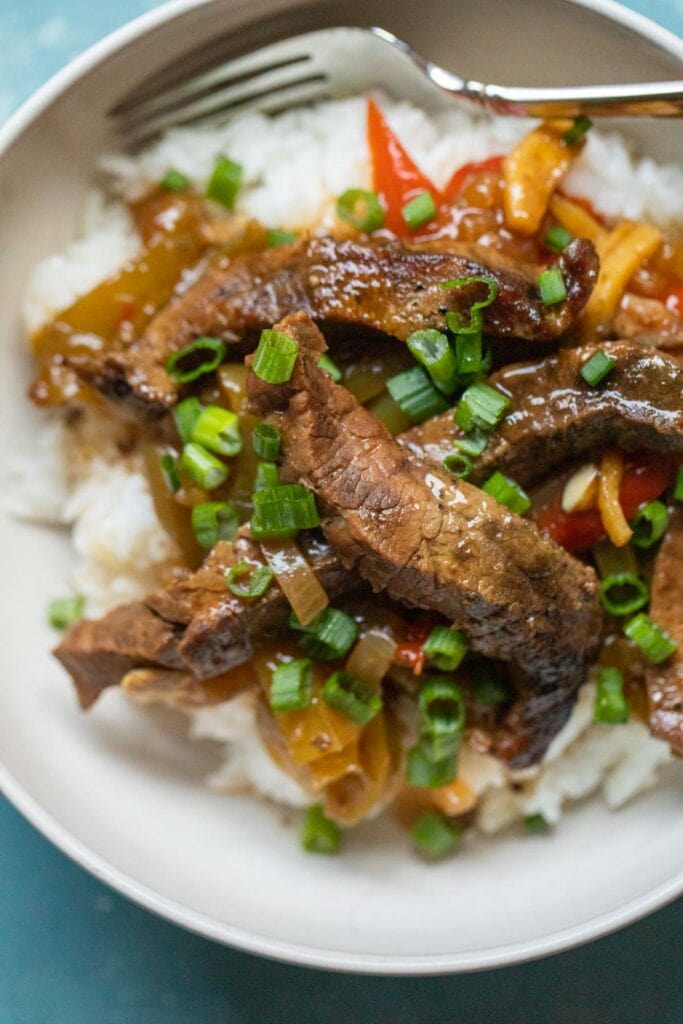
x=73 y=952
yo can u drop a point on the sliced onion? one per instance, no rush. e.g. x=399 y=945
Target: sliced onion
x=372 y=657
x=581 y=490
x=296 y=579
x=611 y=512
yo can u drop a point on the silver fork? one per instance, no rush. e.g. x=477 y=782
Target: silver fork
x=342 y=61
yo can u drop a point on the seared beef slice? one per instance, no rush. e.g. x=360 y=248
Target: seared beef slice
x=665 y=682
x=428 y=541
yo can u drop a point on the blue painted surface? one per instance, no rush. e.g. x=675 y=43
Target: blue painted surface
x=73 y=952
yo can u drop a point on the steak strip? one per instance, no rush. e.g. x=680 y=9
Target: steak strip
x=665 y=682
x=378 y=286
x=554 y=415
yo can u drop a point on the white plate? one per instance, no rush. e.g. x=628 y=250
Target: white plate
x=121 y=791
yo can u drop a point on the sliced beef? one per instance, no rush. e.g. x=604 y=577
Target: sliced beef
x=665 y=682
x=426 y=540
x=554 y=415
x=649 y=322
x=194 y=624
x=378 y=286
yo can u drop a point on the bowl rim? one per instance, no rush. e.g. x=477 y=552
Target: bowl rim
x=203 y=924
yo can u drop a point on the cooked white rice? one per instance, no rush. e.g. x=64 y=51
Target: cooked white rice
x=295 y=166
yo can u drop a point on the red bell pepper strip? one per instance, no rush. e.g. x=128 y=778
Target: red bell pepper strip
x=645 y=477
x=457 y=183
x=672 y=297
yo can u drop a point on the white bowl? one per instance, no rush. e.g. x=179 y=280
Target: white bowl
x=122 y=793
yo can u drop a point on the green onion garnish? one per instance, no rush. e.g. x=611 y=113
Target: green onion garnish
x=260 y=578
x=185 y=415
x=435 y=836
x=489 y=686
x=353 y=697
x=361 y=209
x=275 y=357
x=578 y=130
x=169 y=468
x=536 y=824
x=174 y=181
x=213 y=521
x=481 y=407
x=329 y=636
x=623 y=593
x=282 y=511
x=678 y=485
x=266 y=476
x=432 y=350
x=202 y=467
x=422 y=771
x=194 y=360
x=319 y=834
x=442 y=711
x=469 y=354
x=276 y=237
x=218 y=430
x=650 y=524
x=610 y=706
x=557 y=239
x=445 y=648
x=224 y=182
x=329 y=366
x=419 y=210
x=266 y=441
x=458 y=464
x=415 y=394
x=654 y=642
x=551 y=286
x=292 y=686
x=453 y=320
x=508 y=493
x=64 y=611
x=597 y=367
x=474 y=444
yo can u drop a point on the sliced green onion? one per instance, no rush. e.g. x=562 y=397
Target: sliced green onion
x=422 y=771
x=650 y=524
x=432 y=350
x=551 y=286
x=610 y=706
x=458 y=464
x=224 y=182
x=64 y=611
x=202 y=467
x=472 y=445
x=218 y=430
x=557 y=239
x=481 y=407
x=578 y=130
x=678 y=485
x=292 y=686
x=442 y=718
x=419 y=210
x=275 y=357
x=174 y=181
x=536 y=824
x=319 y=834
x=623 y=593
x=654 y=642
x=353 y=697
x=476 y=317
x=469 y=353
x=445 y=648
x=330 y=635
x=597 y=367
x=213 y=521
x=260 y=578
x=194 y=360
x=508 y=493
x=361 y=209
x=415 y=394
x=266 y=441
x=329 y=366
x=282 y=511
x=435 y=836
x=488 y=683
x=185 y=415
x=276 y=237
x=266 y=476
x=611 y=560
x=169 y=468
